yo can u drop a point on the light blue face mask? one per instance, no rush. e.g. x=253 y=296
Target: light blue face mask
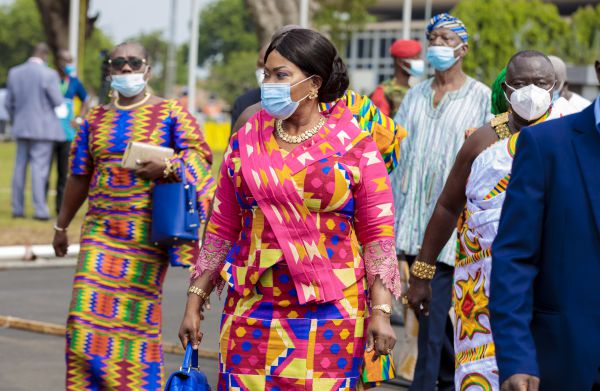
x=276 y=99
x=556 y=92
x=416 y=68
x=70 y=70
x=442 y=58
x=128 y=84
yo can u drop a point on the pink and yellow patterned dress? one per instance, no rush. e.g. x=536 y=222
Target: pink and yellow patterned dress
x=278 y=330
x=114 y=324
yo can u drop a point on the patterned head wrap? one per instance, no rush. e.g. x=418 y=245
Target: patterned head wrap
x=499 y=103
x=449 y=22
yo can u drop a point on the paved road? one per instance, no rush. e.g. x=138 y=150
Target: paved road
x=44 y=294
x=32 y=361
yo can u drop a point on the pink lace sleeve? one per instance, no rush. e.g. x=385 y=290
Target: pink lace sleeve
x=211 y=259
x=381 y=261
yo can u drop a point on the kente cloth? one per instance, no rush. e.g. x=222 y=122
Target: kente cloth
x=298 y=341
x=485 y=192
x=435 y=135
x=114 y=323
x=386 y=132
x=449 y=22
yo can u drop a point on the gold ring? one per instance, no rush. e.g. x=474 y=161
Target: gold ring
x=404 y=299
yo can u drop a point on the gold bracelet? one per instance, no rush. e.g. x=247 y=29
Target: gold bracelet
x=168 y=168
x=198 y=291
x=422 y=270
x=385 y=308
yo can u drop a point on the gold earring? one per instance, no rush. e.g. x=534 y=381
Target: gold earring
x=313 y=95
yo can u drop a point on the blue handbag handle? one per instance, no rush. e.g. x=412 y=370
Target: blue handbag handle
x=190 y=359
x=183 y=177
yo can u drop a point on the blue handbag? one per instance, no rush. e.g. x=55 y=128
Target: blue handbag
x=175 y=217
x=188 y=377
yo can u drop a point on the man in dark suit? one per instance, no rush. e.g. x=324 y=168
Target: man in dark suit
x=545 y=288
x=33 y=93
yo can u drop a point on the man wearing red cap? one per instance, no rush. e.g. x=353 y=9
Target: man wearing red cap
x=407 y=63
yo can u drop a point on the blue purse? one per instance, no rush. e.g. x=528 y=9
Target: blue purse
x=175 y=217
x=188 y=377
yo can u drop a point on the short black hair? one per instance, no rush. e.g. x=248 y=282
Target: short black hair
x=523 y=54
x=314 y=55
x=132 y=43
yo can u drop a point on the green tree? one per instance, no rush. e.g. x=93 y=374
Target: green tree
x=339 y=18
x=584 y=47
x=20 y=30
x=499 y=28
x=226 y=29
x=228 y=45
x=97 y=44
x=234 y=76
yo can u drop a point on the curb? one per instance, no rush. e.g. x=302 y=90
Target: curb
x=39 y=250
x=38 y=263
x=36 y=326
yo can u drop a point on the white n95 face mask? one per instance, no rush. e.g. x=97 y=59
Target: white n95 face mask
x=530 y=102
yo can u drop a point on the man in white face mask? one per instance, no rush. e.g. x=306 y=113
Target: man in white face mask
x=478 y=178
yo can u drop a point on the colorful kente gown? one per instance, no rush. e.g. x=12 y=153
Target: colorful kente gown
x=114 y=324
x=486 y=189
x=281 y=330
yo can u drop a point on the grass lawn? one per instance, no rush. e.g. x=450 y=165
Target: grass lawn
x=29 y=231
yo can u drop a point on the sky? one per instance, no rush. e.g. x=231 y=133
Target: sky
x=122 y=19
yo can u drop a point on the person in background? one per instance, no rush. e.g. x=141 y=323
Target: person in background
x=4 y=117
x=436 y=113
x=388 y=97
x=407 y=62
x=77 y=104
x=32 y=95
x=479 y=178
x=577 y=101
x=544 y=291
x=114 y=321
x=252 y=96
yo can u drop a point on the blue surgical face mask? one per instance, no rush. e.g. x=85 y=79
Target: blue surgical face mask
x=276 y=99
x=556 y=92
x=442 y=58
x=416 y=67
x=128 y=84
x=70 y=70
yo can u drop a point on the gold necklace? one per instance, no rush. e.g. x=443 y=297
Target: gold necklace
x=288 y=138
x=147 y=96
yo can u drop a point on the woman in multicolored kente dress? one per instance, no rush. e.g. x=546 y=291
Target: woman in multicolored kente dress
x=301 y=233
x=114 y=324
x=479 y=178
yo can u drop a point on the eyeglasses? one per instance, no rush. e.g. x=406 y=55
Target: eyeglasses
x=135 y=63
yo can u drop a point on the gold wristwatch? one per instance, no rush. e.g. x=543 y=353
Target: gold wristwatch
x=385 y=308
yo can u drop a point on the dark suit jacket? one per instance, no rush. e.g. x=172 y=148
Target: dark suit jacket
x=545 y=288
x=33 y=91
